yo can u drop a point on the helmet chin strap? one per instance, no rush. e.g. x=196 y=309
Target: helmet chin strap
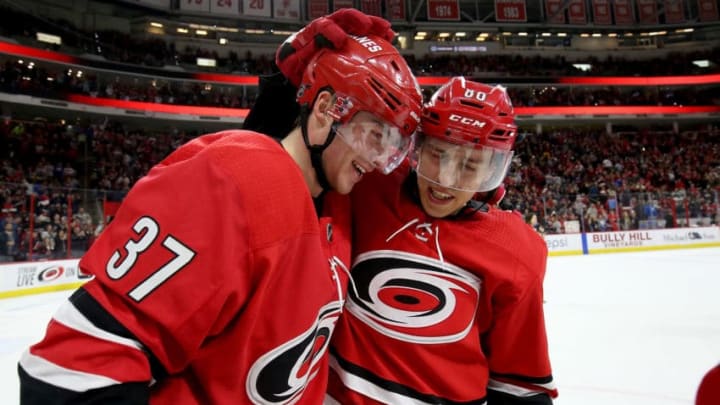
x=316 y=151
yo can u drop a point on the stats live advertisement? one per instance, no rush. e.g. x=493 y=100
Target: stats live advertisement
x=510 y=11
x=443 y=10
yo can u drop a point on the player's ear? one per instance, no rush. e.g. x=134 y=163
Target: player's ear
x=323 y=103
x=320 y=122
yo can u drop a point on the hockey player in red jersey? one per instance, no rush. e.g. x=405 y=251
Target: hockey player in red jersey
x=222 y=275
x=445 y=303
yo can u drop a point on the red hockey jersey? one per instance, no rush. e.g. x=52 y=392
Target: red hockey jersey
x=439 y=311
x=215 y=284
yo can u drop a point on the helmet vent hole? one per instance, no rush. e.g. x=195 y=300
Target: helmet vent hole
x=389 y=98
x=472 y=104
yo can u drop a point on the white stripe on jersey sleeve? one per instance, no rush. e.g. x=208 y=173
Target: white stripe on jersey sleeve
x=516 y=390
x=69 y=316
x=62 y=377
x=371 y=390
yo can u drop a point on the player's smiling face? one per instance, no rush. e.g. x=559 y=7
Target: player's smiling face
x=345 y=167
x=438 y=201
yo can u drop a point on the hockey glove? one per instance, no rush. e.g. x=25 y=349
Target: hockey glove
x=293 y=56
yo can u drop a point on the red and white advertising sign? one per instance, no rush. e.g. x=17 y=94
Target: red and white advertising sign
x=317 y=8
x=286 y=9
x=396 y=10
x=338 y=4
x=256 y=8
x=577 y=13
x=443 y=10
x=674 y=11
x=623 y=10
x=707 y=10
x=601 y=12
x=225 y=7
x=371 y=7
x=554 y=12
x=647 y=11
x=195 y=5
x=510 y=11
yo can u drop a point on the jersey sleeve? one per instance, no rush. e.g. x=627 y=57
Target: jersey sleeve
x=516 y=345
x=165 y=279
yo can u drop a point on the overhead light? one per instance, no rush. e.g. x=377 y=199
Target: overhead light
x=443 y=35
x=156 y=24
x=585 y=35
x=546 y=34
x=281 y=32
x=629 y=34
x=703 y=63
x=222 y=41
x=182 y=30
x=523 y=34
x=48 y=38
x=562 y=34
x=421 y=33
x=681 y=30
x=206 y=62
x=596 y=35
x=252 y=31
x=201 y=32
x=612 y=34
x=460 y=34
x=582 y=66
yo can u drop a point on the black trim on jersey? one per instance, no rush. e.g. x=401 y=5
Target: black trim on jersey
x=395 y=387
x=503 y=398
x=37 y=392
x=532 y=380
x=101 y=318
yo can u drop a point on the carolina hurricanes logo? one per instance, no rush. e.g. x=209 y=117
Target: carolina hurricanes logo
x=413 y=298
x=281 y=375
x=51 y=273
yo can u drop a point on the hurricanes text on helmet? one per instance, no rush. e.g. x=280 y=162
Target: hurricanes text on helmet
x=368 y=43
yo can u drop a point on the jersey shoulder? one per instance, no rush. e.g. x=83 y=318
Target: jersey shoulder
x=262 y=178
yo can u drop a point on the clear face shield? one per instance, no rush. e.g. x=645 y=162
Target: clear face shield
x=379 y=143
x=462 y=167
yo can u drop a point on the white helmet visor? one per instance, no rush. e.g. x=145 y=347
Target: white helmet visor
x=462 y=167
x=379 y=143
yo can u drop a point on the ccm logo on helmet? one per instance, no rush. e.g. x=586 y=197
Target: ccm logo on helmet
x=466 y=121
x=368 y=43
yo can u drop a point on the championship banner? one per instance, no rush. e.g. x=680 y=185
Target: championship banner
x=396 y=10
x=577 y=13
x=674 y=11
x=317 y=8
x=371 y=7
x=707 y=10
x=443 y=10
x=647 y=11
x=601 y=12
x=195 y=5
x=225 y=7
x=554 y=12
x=256 y=8
x=286 y=9
x=623 y=12
x=338 y=4
x=510 y=11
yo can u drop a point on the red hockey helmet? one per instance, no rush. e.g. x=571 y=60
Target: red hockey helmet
x=368 y=74
x=469 y=131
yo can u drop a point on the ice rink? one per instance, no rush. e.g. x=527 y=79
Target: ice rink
x=624 y=329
